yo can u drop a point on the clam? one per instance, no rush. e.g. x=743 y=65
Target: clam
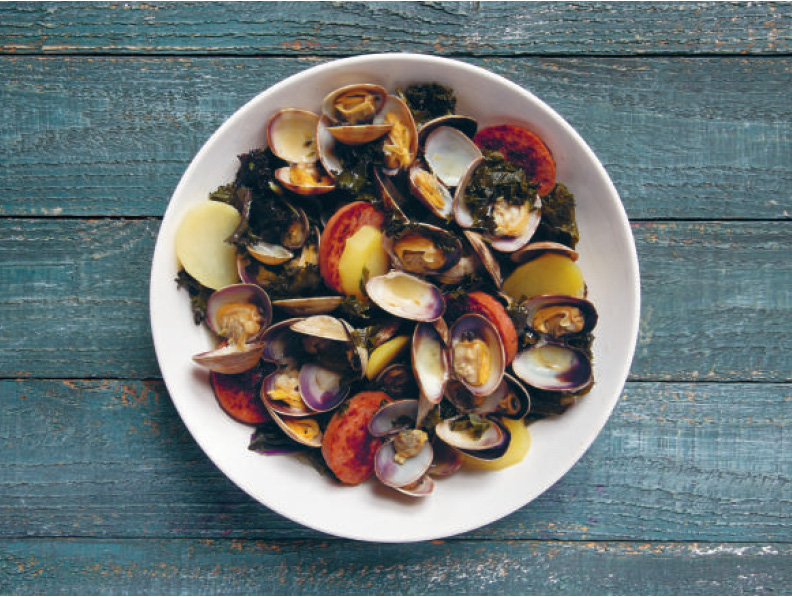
x=465 y=124
x=322 y=389
x=397 y=380
x=404 y=459
x=532 y=250
x=291 y=136
x=552 y=366
x=485 y=256
x=298 y=229
x=280 y=393
x=303 y=430
x=305 y=179
x=508 y=220
x=240 y=312
x=227 y=358
x=430 y=362
x=393 y=417
x=449 y=154
x=481 y=437
x=406 y=296
x=401 y=144
x=269 y=253
x=281 y=344
x=394 y=468
x=477 y=354
x=560 y=316
x=350 y=112
x=422 y=249
x=429 y=190
x=314 y=305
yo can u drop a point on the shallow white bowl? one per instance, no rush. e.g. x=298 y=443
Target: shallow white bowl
x=467 y=500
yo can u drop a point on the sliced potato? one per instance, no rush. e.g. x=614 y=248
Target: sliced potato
x=201 y=246
x=548 y=274
x=385 y=354
x=363 y=255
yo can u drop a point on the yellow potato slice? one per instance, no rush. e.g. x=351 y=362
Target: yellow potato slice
x=385 y=354
x=363 y=253
x=547 y=274
x=200 y=243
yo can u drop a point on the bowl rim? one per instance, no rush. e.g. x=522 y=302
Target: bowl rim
x=630 y=264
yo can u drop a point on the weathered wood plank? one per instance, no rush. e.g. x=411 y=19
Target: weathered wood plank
x=344 y=568
x=452 y=28
x=716 y=300
x=681 y=138
x=676 y=462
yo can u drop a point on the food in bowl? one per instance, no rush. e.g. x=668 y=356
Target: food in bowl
x=391 y=287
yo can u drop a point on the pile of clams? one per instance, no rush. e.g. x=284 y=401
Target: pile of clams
x=436 y=277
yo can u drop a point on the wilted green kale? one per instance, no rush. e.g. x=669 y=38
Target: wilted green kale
x=558 y=218
x=428 y=101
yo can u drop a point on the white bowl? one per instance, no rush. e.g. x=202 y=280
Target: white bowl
x=467 y=500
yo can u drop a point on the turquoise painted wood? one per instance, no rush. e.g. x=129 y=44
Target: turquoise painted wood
x=687 y=490
x=101 y=136
x=316 y=28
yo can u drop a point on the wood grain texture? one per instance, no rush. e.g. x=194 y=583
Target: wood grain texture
x=681 y=138
x=344 y=568
x=676 y=462
x=716 y=297
x=451 y=28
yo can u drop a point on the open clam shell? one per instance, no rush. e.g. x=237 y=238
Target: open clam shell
x=421 y=488
x=281 y=394
x=354 y=104
x=240 y=312
x=281 y=344
x=269 y=254
x=533 y=250
x=393 y=418
x=477 y=354
x=507 y=243
x=560 y=316
x=449 y=154
x=430 y=362
x=406 y=296
x=303 y=430
x=314 y=305
x=228 y=358
x=471 y=433
x=429 y=190
x=423 y=249
x=466 y=124
x=291 y=135
x=553 y=366
x=305 y=179
x=401 y=144
x=322 y=389
x=485 y=256
x=394 y=474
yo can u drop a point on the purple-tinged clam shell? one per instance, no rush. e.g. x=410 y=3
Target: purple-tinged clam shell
x=322 y=389
x=430 y=362
x=227 y=358
x=239 y=305
x=481 y=437
x=421 y=488
x=394 y=474
x=406 y=296
x=280 y=396
x=553 y=366
x=477 y=354
x=560 y=316
x=393 y=417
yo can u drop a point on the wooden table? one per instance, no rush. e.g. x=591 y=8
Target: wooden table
x=687 y=490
